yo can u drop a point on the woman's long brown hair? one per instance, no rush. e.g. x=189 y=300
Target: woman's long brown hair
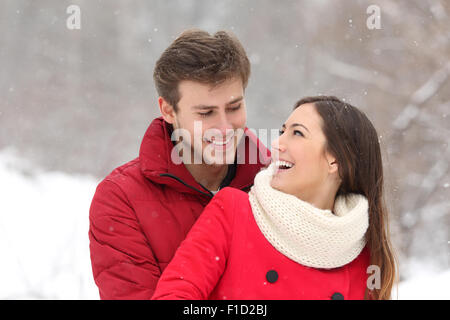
x=353 y=141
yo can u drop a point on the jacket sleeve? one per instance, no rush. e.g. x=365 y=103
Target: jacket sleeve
x=123 y=264
x=200 y=260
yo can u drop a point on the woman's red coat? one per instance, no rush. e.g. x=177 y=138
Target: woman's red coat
x=225 y=256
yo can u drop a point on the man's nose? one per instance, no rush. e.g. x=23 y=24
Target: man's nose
x=225 y=126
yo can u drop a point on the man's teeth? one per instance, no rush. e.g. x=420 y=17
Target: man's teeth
x=221 y=143
x=279 y=164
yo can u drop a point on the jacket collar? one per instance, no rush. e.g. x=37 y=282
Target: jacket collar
x=156 y=163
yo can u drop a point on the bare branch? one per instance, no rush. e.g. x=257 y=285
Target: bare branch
x=420 y=96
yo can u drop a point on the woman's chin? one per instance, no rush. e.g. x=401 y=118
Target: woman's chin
x=277 y=184
x=274 y=183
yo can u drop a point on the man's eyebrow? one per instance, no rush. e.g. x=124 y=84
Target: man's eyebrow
x=203 y=106
x=295 y=125
x=235 y=100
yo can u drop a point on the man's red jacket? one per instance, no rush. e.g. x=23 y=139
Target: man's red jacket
x=143 y=209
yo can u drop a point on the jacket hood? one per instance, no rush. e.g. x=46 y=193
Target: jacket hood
x=156 y=164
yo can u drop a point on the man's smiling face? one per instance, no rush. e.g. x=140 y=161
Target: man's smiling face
x=221 y=112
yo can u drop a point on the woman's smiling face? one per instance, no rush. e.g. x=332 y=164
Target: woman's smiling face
x=302 y=145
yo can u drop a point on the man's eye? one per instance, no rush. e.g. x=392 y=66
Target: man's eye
x=235 y=108
x=205 y=114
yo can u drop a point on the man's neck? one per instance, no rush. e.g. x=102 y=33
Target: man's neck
x=209 y=176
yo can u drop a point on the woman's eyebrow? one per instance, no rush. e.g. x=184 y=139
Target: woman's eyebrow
x=296 y=125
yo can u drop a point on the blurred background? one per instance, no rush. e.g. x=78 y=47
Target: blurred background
x=75 y=104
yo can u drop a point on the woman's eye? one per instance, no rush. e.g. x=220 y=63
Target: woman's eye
x=280 y=132
x=296 y=132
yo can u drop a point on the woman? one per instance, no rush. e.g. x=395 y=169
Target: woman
x=310 y=227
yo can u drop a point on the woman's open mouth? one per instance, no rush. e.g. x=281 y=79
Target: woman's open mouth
x=282 y=165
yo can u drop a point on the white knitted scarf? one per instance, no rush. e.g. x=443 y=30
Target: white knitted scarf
x=308 y=235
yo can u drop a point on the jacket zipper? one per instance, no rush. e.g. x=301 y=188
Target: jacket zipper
x=187 y=185
x=210 y=194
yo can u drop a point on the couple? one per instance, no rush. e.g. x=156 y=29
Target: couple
x=304 y=224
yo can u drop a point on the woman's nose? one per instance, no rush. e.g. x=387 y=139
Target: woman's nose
x=277 y=145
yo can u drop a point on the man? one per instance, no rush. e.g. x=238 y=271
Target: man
x=142 y=211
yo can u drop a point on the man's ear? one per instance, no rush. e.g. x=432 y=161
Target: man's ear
x=167 y=110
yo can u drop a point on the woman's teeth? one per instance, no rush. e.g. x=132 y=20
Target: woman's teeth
x=283 y=164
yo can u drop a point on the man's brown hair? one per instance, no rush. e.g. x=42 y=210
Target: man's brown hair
x=199 y=56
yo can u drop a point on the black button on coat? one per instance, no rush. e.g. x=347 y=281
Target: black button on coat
x=337 y=296
x=272 y=276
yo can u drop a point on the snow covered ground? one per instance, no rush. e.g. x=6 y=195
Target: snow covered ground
x=44 y=233
x=423 y=286
x=44 y=238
